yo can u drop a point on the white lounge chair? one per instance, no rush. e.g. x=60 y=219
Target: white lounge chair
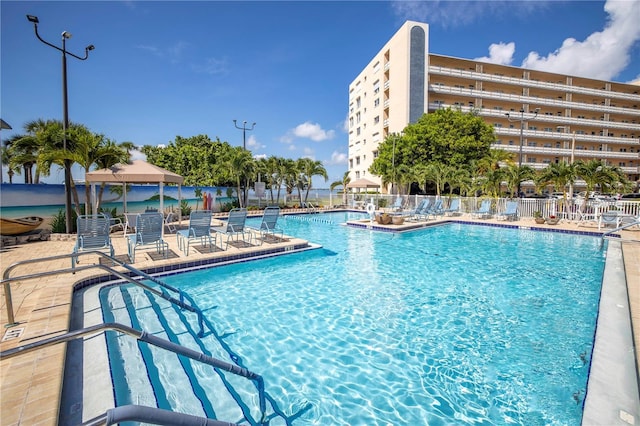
x=148 y=232
x=199 y=229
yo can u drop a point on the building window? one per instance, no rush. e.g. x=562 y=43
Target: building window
x=531 y=160
x=357 y=161
x=357 y=117
x=358 y=131
x=376 y=102
x=357 y=175
x=376 y=119
x=375 y=154
x=351 y=163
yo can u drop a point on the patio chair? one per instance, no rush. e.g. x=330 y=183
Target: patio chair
x=484 y=212
x=397 y=205
x=93 y=234
x=411 y=213
x=114 y=222
x=235 y=226
x=422 y=213
x=453 y=209
x=148 y=232
x=168 y=222
x=436 y=209
x=510 y=212
x=268 y=226
x=199 y=229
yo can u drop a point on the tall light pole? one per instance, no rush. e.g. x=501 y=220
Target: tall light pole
x=522 y=119
x=65 y=109
x=244 y=129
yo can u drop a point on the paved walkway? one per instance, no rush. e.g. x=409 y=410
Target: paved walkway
x=30 y=384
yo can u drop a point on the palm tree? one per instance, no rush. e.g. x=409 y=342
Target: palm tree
x=309 y=168
x=343 y=183
x=7 y=161
x=597 y=173
x=559 y=175
x=515 y=175
x=239 y=166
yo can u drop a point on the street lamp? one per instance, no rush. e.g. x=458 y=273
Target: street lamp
x=65 y=108
x=521 y=120
x=244 y=129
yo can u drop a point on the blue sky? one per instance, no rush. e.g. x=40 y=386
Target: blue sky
x=168 y=68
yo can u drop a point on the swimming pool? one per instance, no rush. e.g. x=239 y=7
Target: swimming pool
x=451 y=324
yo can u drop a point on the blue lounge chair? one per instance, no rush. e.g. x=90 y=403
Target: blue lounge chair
x=414 y=212
x=199 y=229
x=93 y=234
x=148 y=232
x=510 y=212
x=235 y=227
x=397 y=206
x=454 y=208
x=436 y=209
x=423 y=213
x=268 y=226
x=484 y=211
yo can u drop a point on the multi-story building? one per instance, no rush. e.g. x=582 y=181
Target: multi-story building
x=540 y=117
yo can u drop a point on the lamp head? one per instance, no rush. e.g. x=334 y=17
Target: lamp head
x=66 y=34
x=33 y=19
x=235 y=121
x=90 y=47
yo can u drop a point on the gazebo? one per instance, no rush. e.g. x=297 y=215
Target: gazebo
x=137 y=172
x=362 y=183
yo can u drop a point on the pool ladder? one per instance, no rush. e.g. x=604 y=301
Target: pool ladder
x=142 y=413
x=7 y=280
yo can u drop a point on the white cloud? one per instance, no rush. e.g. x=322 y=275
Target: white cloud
x=309 y=153
x=173 y=52
x=603 y=54
x=253 y=144
x=446 y=13
x=260 y=156
x=138 y=155
x=337 y=158
x=308 y=130
x=212 y=66
x=500 y=53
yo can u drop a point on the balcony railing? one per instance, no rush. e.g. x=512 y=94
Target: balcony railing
x=436 y=88
x=533 y=83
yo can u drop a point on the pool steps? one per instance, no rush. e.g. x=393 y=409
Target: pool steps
x=214 y=394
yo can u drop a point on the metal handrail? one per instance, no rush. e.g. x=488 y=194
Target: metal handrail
x=7 y=280
x=150 y=415
x=620 y=228
x=152 y=340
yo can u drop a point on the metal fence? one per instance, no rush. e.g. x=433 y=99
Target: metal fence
x=566 y=209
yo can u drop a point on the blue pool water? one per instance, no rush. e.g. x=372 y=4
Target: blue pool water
x=456 y=324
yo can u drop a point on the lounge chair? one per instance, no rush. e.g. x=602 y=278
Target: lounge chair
x=397 y=206
x=484 y=212
x=268 y=226
x=421 y=211
x=199 y=229
x=453 y=209
x=235 y=226
x=148 y=232
x=93 y=234
x=510 y=212
x=413 y=212
x=436 y=209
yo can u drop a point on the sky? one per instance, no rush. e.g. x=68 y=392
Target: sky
x=162 y=69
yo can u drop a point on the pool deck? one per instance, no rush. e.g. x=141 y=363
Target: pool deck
x=31 y=383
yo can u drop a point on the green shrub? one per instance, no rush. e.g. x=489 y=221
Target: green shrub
x=185 y=208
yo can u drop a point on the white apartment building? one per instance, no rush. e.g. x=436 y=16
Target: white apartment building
x=541 y=117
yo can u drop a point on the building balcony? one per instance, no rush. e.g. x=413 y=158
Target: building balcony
x=564 y=152
x=520 y=99
x=532 y=83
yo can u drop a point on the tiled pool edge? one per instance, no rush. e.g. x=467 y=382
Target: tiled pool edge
x=612 y=391
x=173 y=268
